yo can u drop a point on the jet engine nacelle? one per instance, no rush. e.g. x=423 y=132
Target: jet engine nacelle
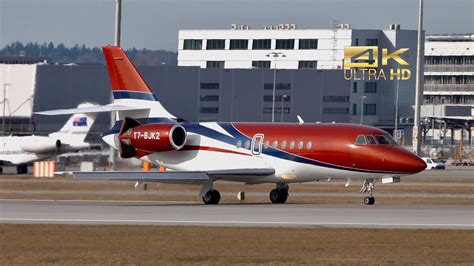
x=158 y=137
x=42 y=145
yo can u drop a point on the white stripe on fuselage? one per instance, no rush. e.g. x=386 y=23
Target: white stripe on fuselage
x=216 y=127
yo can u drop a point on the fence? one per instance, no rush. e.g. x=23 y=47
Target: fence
x=447 y=151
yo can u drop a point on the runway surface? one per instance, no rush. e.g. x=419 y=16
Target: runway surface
x=242 y=214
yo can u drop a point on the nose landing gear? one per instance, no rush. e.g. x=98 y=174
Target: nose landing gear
x=368 y=188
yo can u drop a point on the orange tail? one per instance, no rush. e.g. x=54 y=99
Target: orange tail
x=127 y=83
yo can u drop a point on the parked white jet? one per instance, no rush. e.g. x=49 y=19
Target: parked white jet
x=21 y=150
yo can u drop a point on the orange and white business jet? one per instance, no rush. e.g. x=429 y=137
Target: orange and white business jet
x=252 y=153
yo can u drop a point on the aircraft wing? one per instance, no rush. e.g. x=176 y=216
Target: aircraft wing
x=94 y=109
x=171 y=176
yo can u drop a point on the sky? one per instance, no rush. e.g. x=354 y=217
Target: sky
x=154 y=24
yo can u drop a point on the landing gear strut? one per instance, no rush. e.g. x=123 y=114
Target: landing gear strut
x=368 y=188
x=211 y=197
x=280 y=194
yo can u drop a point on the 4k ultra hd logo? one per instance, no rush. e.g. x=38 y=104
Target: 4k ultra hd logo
x=362 y=63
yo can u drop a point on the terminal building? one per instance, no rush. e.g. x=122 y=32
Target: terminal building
x=449 y=88
x=244 y=48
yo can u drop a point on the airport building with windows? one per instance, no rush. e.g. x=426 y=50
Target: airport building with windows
x=449 y=70
x=449 y=87
x=243 y=47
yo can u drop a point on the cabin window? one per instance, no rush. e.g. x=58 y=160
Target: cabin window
x=292 y=144
x=309 y=145
x=300 y=145
x=266 y=144
x=239 y=144
x=247 y=144
x=283 y=145
x=360 y=140
x=382 y=140
x=275 y=144
x=371 y=140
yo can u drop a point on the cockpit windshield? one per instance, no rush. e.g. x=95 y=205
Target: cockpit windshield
x=375 y=140
x=360 y=140
x=371 y=140
x=391 y=140
x=382 y=140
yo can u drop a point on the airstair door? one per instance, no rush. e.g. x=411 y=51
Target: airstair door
x=257 y=144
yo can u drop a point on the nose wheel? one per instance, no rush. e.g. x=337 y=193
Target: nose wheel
x=368 y=188
x=369 y=200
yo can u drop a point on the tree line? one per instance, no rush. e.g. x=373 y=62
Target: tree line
x=86 y=55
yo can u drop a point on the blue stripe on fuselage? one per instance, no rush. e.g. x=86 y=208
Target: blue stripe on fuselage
x=134 y=95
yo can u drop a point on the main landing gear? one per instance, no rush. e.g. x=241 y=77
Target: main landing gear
x=211 y=197
x=368 y=188
x=279 y=194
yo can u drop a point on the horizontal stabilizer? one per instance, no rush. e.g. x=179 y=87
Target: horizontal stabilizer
x=95 y=109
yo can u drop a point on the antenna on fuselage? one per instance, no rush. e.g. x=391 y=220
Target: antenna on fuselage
x=300 y=120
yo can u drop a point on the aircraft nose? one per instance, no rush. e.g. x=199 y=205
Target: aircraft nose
x=415 y=164
x=407 y=162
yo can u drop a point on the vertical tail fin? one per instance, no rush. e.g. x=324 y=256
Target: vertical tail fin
x=127 y=83
x=78 y=125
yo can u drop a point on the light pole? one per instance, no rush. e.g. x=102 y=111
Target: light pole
x=282 y=99
x=362 y=109
x=117 y=39
x=418 y=85
x=396 y=109
x=4 y=105
x=433 y=123
x=118 y=21
x=275 y=55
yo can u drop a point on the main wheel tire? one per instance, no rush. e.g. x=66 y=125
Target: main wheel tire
x=22 y=169
x=283 y=196
x=278 y=196
x=211 y=197
x=274 y=196
x=1 y=170
x=216 y=196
